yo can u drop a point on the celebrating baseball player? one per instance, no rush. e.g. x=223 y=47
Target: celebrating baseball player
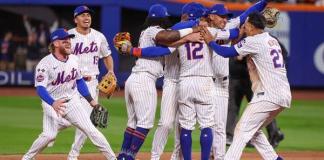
x=89 y=45
x=269 y=84
x=58 y=81
x=218 y=17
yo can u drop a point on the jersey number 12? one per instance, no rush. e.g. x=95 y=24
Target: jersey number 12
x=192 y=49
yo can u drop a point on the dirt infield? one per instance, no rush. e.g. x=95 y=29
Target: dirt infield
x=166 y=156
x=296 y=94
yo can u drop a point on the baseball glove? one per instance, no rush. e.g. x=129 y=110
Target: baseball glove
x=122 y=43
x=108 y=85
x=99 y=116
x=271 y=15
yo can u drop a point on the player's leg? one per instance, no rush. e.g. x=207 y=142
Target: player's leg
x=205 y=109
x=254 y=117
x=50 y=130
x=219 y=139
x=234 y=103
x=176 y=153
x=131 y=123
x=80 y=137
x=167 y=118
x=76 y=117
x=187 y=115
x=145 y=101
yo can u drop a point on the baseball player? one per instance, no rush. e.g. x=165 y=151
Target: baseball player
x=218 y=16
x=89 y=45
x=140 y=91
x=57 y=80
x=269 y=84
x=169 y=102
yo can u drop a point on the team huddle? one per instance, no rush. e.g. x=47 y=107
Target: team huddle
x=192 y=56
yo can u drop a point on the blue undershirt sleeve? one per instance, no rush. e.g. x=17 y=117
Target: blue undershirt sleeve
x=82 y=87
x=44 y=95
x=259 y=6
x=183 y=25
x=234 y=33
x=154 y=51
x=223 y=51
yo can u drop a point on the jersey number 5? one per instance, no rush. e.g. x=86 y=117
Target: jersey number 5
x=192 y=49
x=277 y=58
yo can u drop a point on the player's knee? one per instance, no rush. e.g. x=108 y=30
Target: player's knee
x=49 y=137
x=168 y=125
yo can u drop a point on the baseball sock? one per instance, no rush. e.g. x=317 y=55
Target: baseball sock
x=186 y=142
x=279 y=158
x=206 y=139
x=138 y=139
x=128 y=134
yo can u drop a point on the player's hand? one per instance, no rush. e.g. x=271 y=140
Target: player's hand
x=94 y=104
x=208 y=37
x=194 y=37
x=59 y=106
x=197 y=29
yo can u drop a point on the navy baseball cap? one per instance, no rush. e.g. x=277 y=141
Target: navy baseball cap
x=60 y=34
x=158 y=11
x=82 y=9
x=219 y=9
x=194 y=10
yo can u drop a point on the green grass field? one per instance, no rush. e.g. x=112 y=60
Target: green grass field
x=21 y=123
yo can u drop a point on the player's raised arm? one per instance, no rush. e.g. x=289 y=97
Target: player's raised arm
x=257 y=7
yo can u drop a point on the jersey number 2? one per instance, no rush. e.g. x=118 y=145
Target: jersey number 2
x=276 y=58
x=192 y=49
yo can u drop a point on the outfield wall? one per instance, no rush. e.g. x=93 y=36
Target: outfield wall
x=300 y=29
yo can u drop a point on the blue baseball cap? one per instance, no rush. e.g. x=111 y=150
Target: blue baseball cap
x=158 y=11
x=219 y=9
x=60 y=34
x=194 y=10
x=82 y=9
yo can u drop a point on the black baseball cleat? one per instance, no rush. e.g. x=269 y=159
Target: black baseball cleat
x=276 y=138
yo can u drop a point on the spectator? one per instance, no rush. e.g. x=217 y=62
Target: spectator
x=8 y=48
x=33 y=52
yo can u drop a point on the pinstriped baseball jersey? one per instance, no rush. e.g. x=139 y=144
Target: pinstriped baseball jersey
x=195 y=58
x=266 y=54
x=89 y=48
x=172 y=66
x=152 y=65
x=59 y=78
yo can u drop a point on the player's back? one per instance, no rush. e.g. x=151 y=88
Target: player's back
x=152 y=65
x=266 y=55
x=195 y=60
x=172 y=66
x=89 y=48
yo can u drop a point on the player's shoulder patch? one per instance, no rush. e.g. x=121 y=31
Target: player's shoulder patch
x=240 y=44
x=40 y=78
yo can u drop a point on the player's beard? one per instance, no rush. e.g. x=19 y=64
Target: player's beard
x=65 y=51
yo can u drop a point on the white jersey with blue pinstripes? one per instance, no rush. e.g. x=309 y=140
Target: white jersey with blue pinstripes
x=153 y=66
x=266 y=54
x=89 y=49
x=58 y=77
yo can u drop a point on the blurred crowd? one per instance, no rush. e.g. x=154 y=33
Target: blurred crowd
x=23 y=53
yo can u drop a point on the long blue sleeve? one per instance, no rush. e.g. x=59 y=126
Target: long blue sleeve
x=259 y=6
x=223 y=51
x=154 y=51
x=82 y=87
x=234 y=33
x=44 y=95
x=186 y=24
